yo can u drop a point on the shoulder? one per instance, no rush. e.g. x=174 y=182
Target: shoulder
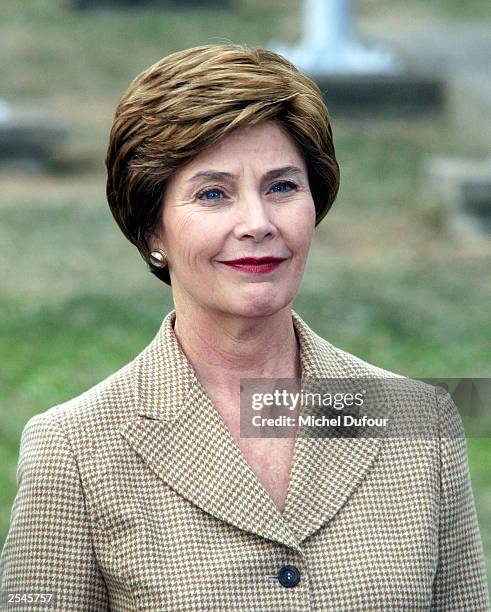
x=360 y=367
x=427 y=404
x=415 y=399
x=323 y=359
x=87 y=419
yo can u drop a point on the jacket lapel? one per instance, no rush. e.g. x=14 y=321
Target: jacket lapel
x=325 y=471
x=178 y=432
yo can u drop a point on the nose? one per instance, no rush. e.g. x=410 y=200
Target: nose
x=254 y=219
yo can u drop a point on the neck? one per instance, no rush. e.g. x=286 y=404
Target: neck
x=223 y=349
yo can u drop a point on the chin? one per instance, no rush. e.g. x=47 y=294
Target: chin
x=260 y=303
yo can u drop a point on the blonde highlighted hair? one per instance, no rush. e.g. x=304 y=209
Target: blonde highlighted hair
x=191 y=99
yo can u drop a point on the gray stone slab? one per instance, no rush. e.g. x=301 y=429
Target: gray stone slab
x=476 y=202
x=28 y=140
x=458 y=51
x=408 y=94
x=463 y=187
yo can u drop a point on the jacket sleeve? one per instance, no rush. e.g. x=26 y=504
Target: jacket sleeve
x=48 y=548
x=460 y=581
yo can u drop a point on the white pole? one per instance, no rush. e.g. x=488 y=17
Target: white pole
x=326 y=22
x=329 y=44
x=5 y=111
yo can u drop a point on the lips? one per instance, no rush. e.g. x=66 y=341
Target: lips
x=254 y=265
x=254 y=261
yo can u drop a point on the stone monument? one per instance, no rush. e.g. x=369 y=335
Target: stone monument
x=356 y=78
x=29 y=141
x=463 y=188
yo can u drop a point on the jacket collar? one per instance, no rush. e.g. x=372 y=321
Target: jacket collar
x=180 y=435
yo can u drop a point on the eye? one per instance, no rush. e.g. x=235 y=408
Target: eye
x=284 y=187
x=211 y=194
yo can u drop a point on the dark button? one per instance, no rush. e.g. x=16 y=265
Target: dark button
x=289 y=576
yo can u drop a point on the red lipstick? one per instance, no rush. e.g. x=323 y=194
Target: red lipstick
x=255 y=265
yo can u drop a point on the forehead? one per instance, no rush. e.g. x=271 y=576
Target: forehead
x=264 y=145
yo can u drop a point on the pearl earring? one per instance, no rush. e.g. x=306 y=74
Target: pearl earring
x=158 y=259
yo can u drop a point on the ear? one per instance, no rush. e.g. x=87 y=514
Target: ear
x=153 y=239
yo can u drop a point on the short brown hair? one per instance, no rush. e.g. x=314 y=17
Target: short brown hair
x=192 y=98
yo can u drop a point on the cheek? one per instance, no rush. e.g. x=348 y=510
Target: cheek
x=301 y=226
x=186 y=232
x=198 y=240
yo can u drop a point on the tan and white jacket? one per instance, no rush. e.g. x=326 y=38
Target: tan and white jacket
x=135 y=496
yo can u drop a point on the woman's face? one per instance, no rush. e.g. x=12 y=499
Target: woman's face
x=247 y=196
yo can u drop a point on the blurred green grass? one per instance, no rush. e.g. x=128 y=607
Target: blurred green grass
x=385 y=280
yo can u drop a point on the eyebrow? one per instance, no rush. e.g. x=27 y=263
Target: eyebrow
x=217 y=175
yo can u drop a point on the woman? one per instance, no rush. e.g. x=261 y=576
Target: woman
x=141 y=493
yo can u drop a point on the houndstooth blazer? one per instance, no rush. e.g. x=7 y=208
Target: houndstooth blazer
x=135 y=496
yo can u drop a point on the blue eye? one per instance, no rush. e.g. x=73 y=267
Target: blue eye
x=208 y=192
x=287 y=184
x=214 y=194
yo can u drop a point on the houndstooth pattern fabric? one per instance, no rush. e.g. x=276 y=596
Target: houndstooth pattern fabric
x=135 y=496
